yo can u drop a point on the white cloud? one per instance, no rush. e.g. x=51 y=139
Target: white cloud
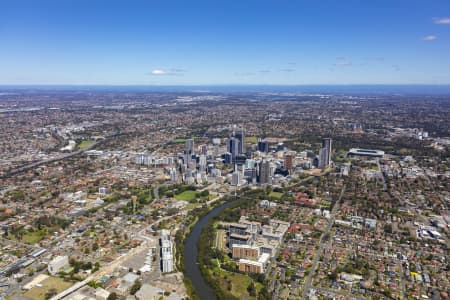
x=429 y=38
x=442 y=21
x=173 y=72
x=158 y=72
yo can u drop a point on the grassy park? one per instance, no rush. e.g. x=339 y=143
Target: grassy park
x=31 y=236
x=85 y=144
x=237 y=282
x=276 y=195
x=186 y=196
x=34 y=237
x=179 y=141
x=251 y=139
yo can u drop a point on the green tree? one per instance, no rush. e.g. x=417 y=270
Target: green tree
x=135 y=287
x=50 y=293
x=96 y=267
x=251 y=289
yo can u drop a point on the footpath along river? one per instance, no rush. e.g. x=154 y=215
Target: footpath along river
x=192 y=270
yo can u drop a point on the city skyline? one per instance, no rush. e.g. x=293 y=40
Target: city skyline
x=203 y=43
x=224 y=150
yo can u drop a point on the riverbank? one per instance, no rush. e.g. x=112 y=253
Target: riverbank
x=188 y=226
x=193 y=265
x=213 y=267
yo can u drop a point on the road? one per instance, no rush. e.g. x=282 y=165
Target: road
x=322 y=245
x=382 y=175
x=33 y=165
x=109 y=268
x=44 y=162
x=402 y=278
x=8 y=241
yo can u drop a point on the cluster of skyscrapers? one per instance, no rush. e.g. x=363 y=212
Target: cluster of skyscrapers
x=198 y=164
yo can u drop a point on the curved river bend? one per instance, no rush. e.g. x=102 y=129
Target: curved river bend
x=192 y=270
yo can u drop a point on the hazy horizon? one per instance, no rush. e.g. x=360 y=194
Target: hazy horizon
x=412 y=89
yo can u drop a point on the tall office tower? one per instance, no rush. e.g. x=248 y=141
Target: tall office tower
x=250 y=163
x=264 y=172
x=187 y=158
x=228 y=159
x=204 y=149
x=325 y=153
x=189 y=146
x=263 y=146
x=239 y=163
x=240 y=159
x=202 y=163
x=251 y=175
x=188 y=151
x=233 y=147
x=288 y=161
x=173 y=174
x=236 y=179
x=215 y=151
x=322 y=158
x=240 y=136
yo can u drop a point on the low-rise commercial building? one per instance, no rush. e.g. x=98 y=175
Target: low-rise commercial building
x=57 y=263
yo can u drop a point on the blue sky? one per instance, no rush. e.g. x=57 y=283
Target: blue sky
x=189 y=42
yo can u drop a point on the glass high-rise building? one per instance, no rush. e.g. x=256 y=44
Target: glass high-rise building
x=325 y=153
x=241 y=137
x=189 y=146
x=233 y=147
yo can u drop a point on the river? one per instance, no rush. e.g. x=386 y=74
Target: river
x=192 y=270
